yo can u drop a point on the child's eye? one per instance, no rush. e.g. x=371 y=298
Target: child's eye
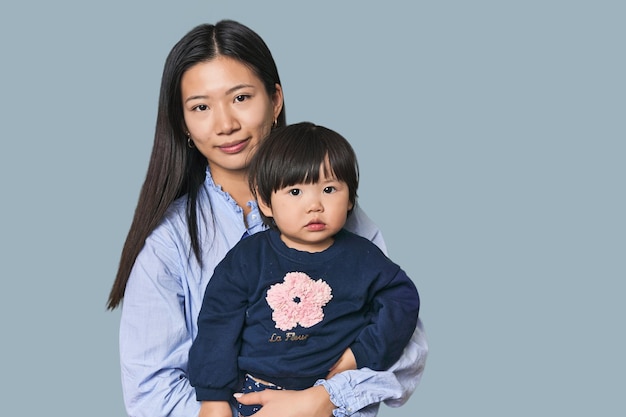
x=329 y=190
x=294 y=191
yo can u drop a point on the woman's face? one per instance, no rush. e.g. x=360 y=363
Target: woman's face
x=227 y=112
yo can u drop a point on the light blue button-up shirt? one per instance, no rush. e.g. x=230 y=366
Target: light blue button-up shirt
x=164 y=295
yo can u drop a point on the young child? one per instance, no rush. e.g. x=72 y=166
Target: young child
x=305 y=299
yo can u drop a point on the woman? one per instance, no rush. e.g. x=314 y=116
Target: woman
x=220 y=95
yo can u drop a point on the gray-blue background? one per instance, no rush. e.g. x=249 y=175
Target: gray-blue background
x=491 y=141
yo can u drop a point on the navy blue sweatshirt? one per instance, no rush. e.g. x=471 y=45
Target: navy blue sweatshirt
x=286 y=316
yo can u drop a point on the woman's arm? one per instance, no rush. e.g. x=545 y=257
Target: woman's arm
x=350 y=393
x=155 y=336
x=311 y=402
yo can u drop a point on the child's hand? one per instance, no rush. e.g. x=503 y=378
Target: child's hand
x=215 y=409
x=346 y=362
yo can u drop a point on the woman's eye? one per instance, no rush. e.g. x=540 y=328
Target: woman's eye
x=329 y=190
x=241 y=97
x=294 y=191
x=201 y=107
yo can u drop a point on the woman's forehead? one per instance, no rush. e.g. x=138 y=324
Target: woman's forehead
x=217 y=77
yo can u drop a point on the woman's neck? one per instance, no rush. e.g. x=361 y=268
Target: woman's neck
x=234 y=183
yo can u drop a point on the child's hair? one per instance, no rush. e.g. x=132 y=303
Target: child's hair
x=293 y=155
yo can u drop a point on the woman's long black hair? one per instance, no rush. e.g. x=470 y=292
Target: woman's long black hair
x=175 y=169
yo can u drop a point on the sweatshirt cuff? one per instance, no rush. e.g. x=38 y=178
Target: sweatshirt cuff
x=212 y=394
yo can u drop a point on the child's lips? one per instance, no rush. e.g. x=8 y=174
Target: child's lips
x=315 y=226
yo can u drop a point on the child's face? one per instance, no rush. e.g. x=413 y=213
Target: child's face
x=309 y=215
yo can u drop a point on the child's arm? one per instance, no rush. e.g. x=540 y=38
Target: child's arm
x=215 y=409
x=213 y=356
x=396 y=303
x=360 y=389
x=346 y=362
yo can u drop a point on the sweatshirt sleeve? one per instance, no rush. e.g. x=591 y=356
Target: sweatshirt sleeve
x=357 y=393
x=220 y=322
x=395 y=311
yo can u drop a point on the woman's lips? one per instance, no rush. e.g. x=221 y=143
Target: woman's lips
x=234 y=147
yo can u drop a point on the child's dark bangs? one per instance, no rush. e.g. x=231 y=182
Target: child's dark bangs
x=302 y=163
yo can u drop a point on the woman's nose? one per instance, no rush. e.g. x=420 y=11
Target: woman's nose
x=225 y=121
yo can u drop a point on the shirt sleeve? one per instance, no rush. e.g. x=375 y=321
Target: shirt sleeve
x=155 y=336
x=356 y=393
x=359 y=223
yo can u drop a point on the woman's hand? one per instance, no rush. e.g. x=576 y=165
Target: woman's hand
x=311 y=402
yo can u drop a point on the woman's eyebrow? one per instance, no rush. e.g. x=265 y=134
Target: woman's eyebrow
x=198 y=97
x=229 y=91
x=237 y=87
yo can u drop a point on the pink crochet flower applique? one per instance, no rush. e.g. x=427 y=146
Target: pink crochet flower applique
x=298 y=300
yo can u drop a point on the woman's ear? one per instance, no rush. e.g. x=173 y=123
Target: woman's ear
x=278 y=100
